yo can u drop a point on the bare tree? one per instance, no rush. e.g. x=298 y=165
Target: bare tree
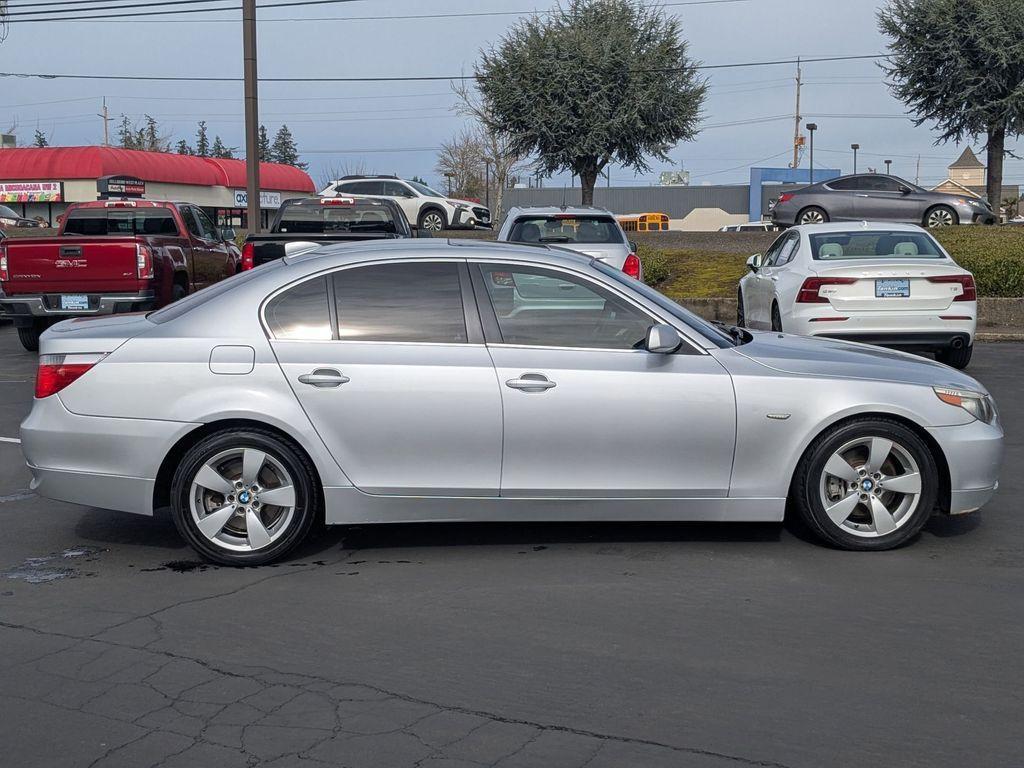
x=461 y=161
x=333 y=172
x=505 y=163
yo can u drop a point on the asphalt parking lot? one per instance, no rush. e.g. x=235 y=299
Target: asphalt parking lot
x=602 y=646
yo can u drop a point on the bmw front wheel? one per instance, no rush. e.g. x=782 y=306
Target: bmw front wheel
x=244 y=497
x=868 y=484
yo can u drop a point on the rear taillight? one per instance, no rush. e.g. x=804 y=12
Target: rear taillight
x=144 y=261
x=248 y=256
x=4 y=274
x=784 y=197
x=57 y=371
x=810 y=291
x=337 y=201
x=970 y=292
x=631 y=266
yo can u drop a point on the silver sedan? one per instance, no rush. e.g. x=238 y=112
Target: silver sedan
x=435 y=381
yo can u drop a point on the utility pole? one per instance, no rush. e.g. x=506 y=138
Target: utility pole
x=106 y=123
x=855 y=147
x=487 y=184
x=888 y=165
x=797 y=138
x=252 y=121
x=811 y=128
x=917 y=173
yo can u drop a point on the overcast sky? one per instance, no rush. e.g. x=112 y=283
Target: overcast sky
x=361 y=126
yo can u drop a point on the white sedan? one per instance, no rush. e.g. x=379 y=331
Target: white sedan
x=879 y=283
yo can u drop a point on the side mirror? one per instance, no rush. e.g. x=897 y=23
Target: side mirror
x=662 y=339
x=227 y=234
x=632 y=246
x=904 y=190
x=754 y=262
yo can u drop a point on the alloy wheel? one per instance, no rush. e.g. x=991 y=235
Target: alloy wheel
x=433 y=222
x=870 y=486
x=812 y=217
x=242 y=499
x=940 y=217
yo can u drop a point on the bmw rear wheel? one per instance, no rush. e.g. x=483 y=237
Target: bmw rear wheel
x=941 y=216
x=812 y=215
x=244 y=497
x=868 y=484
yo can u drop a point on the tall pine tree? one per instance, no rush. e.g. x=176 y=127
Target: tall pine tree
x=40 y=140
x=284 y=149
x=202 y=140
x=263 y=145
x=220 y=150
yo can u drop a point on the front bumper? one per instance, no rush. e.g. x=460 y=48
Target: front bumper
x=974 y=453
x=23 y=309
x=96 y=461
x=474 y=218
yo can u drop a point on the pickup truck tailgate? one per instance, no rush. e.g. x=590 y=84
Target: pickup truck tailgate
x=71 y=264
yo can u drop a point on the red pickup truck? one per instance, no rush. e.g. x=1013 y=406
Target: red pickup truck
x=111 y=256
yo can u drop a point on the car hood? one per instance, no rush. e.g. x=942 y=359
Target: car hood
x=815 y=356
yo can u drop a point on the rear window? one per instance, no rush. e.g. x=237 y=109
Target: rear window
x=836 y=246
x=565 y=229
x=360 y=216
x=120 y=221
x=197 y=299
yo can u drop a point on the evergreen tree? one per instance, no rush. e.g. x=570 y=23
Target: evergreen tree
x=263 y=145
x=284 y=150
x=202 y=141
x=219 y=150
x=184 y=148
x=152 y=141
x=126 y=137
x=40 y=140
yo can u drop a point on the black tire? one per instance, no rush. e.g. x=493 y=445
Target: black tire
x=776 y=318
x=806 y=495
x=956 y=357
x=178 y=291
x=29 y=336
x=432 y=220
x=810 y=214
x=294 y=461
x=940 y=216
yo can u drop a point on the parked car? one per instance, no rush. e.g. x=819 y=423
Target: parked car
x=750 y=226
x=417 y=380
x=887 y=284
x=431 y=210
x=304 y=223
x=9 y=218
x=877 y=197
x=109 y=257
x=585 y=229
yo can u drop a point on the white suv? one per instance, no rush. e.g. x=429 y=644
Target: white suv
x=428 y=209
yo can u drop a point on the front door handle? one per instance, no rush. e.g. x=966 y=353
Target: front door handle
x=324 y=377
x=531 y=382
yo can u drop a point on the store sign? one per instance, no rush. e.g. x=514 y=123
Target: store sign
x=120 y=186
x=31 y=192
x=267 y=199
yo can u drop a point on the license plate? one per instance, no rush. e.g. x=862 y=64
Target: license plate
x=892 y=289
x=74 y=301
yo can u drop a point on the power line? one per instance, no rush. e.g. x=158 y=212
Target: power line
x=405 y=78
x=288 y=4
x=121 y=6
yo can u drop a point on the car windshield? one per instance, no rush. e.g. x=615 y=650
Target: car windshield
x=423 y=189
x=565 y=228
x=120 y=221
x=709 y=331
x=7 y=213
x=355 y=216
x=835 y=246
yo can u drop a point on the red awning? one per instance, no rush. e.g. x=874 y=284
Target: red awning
x=60 y=163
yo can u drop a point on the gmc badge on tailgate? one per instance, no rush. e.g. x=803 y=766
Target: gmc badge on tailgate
x=70 y=263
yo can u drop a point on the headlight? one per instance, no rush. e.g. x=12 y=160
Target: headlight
x=978 y=405
x=975 y=203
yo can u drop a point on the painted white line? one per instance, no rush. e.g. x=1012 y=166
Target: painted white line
x=9 y=440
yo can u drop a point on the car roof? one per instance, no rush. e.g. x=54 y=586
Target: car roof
x=855 y=226
x=439 y=248
x=554 y=210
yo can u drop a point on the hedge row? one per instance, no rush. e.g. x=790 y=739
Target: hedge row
x=995 y=255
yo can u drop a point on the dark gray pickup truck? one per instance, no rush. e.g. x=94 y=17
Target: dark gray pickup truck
x=308 y=222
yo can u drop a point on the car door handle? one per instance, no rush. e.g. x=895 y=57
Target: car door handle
x=324 y=377
x=531 y=382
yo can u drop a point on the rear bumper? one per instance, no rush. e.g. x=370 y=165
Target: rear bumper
x=974 y=453
x=922 y=330
x=93 y=460
x=926 y=341
x=23 y=309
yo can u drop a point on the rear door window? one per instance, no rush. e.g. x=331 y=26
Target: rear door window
x=565 y=229
x=301 y=313
x=405 y=302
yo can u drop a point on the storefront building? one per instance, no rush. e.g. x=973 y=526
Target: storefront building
x=39 y=183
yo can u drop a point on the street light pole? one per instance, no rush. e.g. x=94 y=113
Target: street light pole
x=812 y=127
x=487 y=184
x=888 y=163
x=252 y=121
x=855 y=147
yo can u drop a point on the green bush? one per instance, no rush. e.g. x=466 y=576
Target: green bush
x=995 y=255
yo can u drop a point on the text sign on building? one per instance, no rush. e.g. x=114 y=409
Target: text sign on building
x=267 y=199
x=120 y=186
x=31 y=192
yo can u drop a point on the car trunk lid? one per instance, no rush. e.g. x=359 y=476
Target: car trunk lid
x=884 y=287
x=93 y=334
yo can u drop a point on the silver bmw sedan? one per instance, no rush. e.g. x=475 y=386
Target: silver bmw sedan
x=451 y=381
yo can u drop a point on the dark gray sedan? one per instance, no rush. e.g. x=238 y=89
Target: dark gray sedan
x=877 y=197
